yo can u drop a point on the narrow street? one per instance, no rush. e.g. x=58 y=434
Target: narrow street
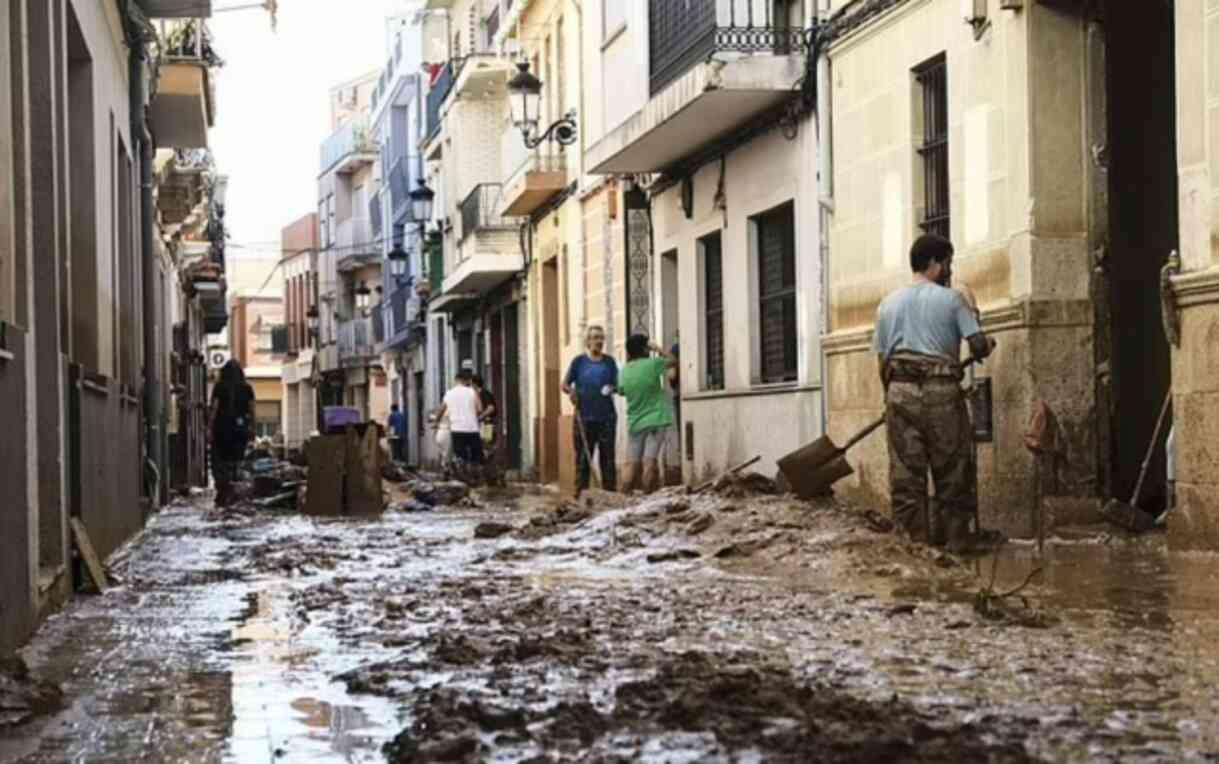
x=731 y=626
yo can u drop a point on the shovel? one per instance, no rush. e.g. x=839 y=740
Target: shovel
x=812 y=469
x=1127 y=514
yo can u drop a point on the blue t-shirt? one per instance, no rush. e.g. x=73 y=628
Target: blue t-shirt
x=924 y=318
x=590 y=378
x=397 y=423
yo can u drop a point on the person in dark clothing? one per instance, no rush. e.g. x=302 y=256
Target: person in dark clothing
x=232 y=419
x=488 y=429
x=397 y=433
x=591 y=381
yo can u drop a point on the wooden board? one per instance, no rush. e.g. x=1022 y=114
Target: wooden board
x=363 y=484
x=92 y=563
x=326 y=468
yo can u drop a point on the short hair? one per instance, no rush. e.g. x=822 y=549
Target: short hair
x=477 y=379
x=636 y=346
x=594 y=328
x=393 y=407
x=465 y=375
x=927 y=249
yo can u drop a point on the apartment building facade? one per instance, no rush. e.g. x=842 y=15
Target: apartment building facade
x=88 y=294
x=707 y=236
x=398 y=116
x=300 y=247
x=349 y=364
x=1061 y=145
x=483 y=292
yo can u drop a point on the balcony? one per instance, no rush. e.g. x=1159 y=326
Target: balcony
x=404 y=318
x=354 y=245
x=357 y=344
x=483 y=75
x=184 y=106
x=399 y=190
x=480 y=211
x=713 y=69
x=348 y=149
x=537 y=181
x=436 y=96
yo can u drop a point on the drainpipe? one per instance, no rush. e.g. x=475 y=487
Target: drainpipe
x=825 y=203
x=154 y=456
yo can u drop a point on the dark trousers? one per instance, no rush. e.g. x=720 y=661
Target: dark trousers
x=601 y=438
x=468 y=447
x=396 y=449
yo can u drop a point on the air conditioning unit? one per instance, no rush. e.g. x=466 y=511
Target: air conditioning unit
x=217 y=358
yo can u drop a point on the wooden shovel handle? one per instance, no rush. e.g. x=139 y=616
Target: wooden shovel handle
x=865 y=432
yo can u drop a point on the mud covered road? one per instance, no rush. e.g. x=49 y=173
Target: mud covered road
x=727 y=627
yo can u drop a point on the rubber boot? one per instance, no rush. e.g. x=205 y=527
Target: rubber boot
x=963 y=540
x=913 y=523
x=937 y=535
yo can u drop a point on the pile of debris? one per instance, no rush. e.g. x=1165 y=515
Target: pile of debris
x=427 y=495
x=23 y=697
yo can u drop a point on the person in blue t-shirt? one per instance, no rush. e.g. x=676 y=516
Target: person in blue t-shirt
x=591 y=382
x=397 y=433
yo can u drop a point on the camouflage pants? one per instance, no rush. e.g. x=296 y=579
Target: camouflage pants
x=929 y=430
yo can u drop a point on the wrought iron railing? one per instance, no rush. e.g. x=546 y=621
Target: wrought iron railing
x=480 y=210
x=399 y=189
x=682 y=34
x=356 y=343
x=436 y=95
x=403 y=313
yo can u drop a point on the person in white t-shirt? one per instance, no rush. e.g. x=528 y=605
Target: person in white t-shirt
x=464 y=409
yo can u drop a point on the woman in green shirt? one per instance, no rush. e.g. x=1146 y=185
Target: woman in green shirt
x=648 y=413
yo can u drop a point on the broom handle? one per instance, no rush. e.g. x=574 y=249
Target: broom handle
x=865 y=432
x=1138 y=487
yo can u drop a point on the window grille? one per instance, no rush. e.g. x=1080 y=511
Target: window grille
x=777 y=293
x=713 y=309
x=932 y=78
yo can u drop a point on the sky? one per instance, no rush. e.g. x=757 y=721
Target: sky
x=272 y=110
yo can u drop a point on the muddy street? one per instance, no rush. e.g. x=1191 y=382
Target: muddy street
x=514 y=626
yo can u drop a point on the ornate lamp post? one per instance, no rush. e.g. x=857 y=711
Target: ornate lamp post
x=525 y=99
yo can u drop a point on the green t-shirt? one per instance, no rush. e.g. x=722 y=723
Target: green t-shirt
x=647 y=405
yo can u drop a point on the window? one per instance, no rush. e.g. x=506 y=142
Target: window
x=776 y=232
x=323 y=224
x=613 y=17
x=713 y=310
x=932 y=79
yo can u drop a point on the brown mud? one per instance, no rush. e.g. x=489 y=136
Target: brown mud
x=733 y=625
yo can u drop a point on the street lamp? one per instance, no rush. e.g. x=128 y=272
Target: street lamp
x=525 y=98
x=362 y=293
x=397 y=262
x=312 y=317
x=421 y=202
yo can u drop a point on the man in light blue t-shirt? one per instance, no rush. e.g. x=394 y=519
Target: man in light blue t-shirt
x=918 y=335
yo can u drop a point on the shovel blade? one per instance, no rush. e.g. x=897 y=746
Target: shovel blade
x=812 y=469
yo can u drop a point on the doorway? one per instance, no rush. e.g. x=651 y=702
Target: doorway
x=1141 y=160
x=550 y=372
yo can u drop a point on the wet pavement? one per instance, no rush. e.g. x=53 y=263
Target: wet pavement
x=714 y=628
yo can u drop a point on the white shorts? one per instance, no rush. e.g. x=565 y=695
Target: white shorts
x=646 y=445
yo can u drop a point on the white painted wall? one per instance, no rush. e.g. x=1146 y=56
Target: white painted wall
x=746 y=418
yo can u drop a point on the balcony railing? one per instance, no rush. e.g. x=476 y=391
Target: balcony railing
x=682 y=34
x=399 y=189
x=480 y=210
x=352 y=139
x=356 y=342
x=436 y=95
x=354 y=244
x=403 y=314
